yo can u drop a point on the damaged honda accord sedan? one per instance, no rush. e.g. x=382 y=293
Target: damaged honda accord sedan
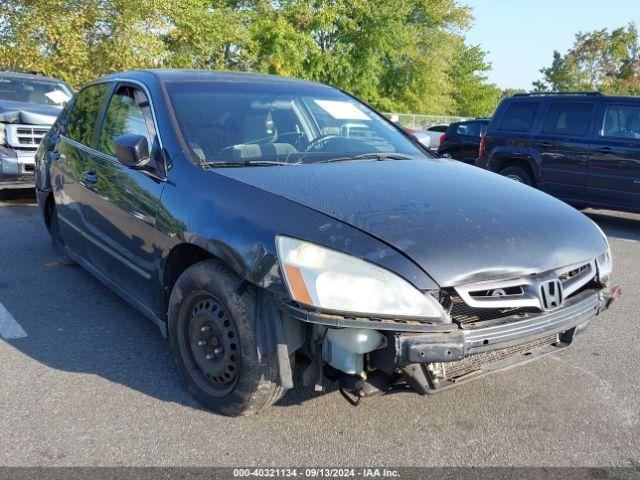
x=258 y=220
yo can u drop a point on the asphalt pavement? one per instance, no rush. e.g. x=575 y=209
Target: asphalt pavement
x=89 y=381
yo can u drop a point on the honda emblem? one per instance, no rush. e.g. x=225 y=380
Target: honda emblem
x=551 y=294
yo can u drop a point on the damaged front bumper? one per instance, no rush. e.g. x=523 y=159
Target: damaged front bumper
x=17 y=168
x=435 y=356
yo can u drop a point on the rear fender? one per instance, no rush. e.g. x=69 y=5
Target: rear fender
x=500 y=157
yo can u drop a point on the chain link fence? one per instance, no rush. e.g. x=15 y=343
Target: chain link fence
x=421 y=122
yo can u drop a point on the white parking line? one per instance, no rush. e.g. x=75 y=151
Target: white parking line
x=9 y=328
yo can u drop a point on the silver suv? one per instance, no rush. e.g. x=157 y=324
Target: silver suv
x=29 y=104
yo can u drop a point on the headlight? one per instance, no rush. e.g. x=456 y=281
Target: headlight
x=604 y=260
x=330 y=280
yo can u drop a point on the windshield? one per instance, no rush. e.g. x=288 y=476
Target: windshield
x=250 y=123
x=34 y=91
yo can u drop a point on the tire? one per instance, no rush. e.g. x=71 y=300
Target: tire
x=446 y=155
x=518 y=174
x=58 y=244
x=213 y=342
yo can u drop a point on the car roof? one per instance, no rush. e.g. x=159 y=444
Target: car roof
x=471 y=120
x=29 y=76
x=209 y=76
x=569 y=96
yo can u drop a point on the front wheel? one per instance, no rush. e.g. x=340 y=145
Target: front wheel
x=518 y=174
x=213 y=342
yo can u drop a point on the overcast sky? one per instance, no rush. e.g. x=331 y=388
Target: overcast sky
x=521 y=35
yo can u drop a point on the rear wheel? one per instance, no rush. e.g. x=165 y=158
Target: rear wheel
x=54 y=230
x=213 y=342
x=518 y=174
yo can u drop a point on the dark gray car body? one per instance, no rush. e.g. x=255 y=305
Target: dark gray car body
x=436 y=223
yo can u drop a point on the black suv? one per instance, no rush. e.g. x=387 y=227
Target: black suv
x=462 y=140
x=581 y=147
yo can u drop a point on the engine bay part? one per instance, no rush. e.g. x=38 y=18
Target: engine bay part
x=344 y=348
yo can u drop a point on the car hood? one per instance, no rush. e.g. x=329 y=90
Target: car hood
x=26 y=112
x=457 y=222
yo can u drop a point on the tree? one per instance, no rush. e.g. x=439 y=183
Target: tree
x=474 y=97
x=79 y=40
x=393 y=54
x=602 y=61
x=510 y=92
x=403 y=55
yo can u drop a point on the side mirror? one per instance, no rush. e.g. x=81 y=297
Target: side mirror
x=132 y=150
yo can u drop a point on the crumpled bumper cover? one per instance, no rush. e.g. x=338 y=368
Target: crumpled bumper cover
x=430 y=343
x=427 y=348
x=16 y=168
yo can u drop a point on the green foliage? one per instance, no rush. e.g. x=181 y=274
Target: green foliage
x=601 y=60
x=402 y=55
x=510 y=92
x=473 y=95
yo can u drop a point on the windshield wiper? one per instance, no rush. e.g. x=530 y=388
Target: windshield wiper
x=249 y=163
x=372 y=156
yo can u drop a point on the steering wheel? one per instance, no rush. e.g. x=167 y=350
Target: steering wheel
x=321 y=139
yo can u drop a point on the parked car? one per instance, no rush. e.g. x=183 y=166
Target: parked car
x=251 y=217
x=430 y=137
x=29 y=104
x=583 y=148
x=462 y=140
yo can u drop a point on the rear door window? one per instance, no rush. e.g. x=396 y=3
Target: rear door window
x=621 y=121
x=83 y=118
x=569 y=118
x=519 y=116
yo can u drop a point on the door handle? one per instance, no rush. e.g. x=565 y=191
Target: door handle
x=545 y=144
x=90 y=176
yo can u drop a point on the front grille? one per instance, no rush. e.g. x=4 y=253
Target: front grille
x=26 y=168
x=566 y=276
x=25 y=136
x=515 y=297
x=452 y=370
x=463 y=313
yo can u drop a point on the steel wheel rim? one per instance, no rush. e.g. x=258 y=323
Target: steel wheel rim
x=515 y=178
x=210 y=343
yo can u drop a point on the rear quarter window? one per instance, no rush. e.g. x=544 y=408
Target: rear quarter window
x=519 y=116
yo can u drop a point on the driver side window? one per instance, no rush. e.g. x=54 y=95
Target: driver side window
x=128 y=113
x=621 y=121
